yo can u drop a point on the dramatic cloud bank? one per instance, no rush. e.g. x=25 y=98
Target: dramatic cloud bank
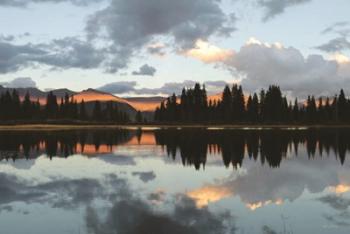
x=130 y=25
x=259 y=65
x=263 y=64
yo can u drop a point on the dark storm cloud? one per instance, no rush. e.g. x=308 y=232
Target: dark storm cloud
x=276 y=7
x=24 y=3
x=335 y=45
x=145 y=70
x=132 y=24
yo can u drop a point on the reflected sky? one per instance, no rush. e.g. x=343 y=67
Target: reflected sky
x=175 y=181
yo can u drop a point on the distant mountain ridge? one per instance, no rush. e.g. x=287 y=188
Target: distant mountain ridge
x=130 y=104
x=90 y=96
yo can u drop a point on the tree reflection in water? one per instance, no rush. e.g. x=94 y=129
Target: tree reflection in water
x=192 y=145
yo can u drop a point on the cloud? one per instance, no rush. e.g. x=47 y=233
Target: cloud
x=335 y=45
x=338 y=219
x=21 y=82
x=130 y=25
x=156 y=49
x=6 y=37
x=267 y=230
x=59 y=193
x=276 y=7
x=24 y=3
x=120 y=87
x=208 y=53
x=134 y=22
x=122 y=30
x=14 y=57
x=64 y=53
x=72 y=53
x=336 y=202
x=338 y=28
x=145 y=70
x=157 y=197
x=274 y=186
x=145 y=176
x=118 y=160
x=124 y=87
x=176 y=87
x=262 y=64
x=136 y=216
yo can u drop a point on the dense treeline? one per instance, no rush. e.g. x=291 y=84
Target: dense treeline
x=267 y=107
x=13 y=109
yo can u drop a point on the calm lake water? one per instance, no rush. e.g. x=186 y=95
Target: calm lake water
x=175 y=181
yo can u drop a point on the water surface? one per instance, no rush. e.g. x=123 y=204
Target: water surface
x=175 y=181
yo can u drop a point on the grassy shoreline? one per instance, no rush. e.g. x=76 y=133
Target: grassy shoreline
x=52 y=127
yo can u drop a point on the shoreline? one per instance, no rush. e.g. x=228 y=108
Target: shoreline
x=58 y=127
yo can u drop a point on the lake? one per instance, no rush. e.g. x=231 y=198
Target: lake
x=175 y=181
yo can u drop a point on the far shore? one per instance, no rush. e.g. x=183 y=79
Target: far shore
x=59 y=127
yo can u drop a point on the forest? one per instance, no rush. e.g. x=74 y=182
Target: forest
x=268 y=107
x=13 y=109
x=192 y=107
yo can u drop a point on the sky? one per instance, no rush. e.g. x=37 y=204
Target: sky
x=137 y=47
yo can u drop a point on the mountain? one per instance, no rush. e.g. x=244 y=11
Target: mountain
x=91 y=95
x=145 y=104
x=37 y=94
x=130 y=105
x=62 y=92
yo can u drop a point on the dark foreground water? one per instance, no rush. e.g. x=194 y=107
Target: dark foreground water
x=175 y=181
